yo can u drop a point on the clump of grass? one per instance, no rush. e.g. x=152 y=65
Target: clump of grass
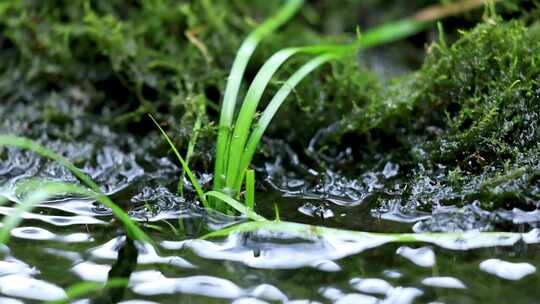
x=239 y=136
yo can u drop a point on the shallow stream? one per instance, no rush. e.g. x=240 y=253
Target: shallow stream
x=69 y=240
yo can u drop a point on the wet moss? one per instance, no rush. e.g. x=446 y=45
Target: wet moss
x=467 y=120
x=465 y=123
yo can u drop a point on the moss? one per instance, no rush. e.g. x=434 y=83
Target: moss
x=466 y=120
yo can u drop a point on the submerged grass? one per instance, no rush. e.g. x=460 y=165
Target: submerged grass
x=40 y=191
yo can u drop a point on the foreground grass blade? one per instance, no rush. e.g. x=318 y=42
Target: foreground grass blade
x=185 y=166
x=84 y=288
x=201 y=110
x=236 y=205
x=42 y=191
x=250 y=189
x=450 y=240
x=28 y=144
x=233 y=84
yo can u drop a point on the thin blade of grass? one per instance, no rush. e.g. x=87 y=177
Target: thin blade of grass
x=236 y=205
x=250 y=189
x=201 y=110
x=478 y=239
x=276 y=212
x=248 y=109
x=28 y=144
x=271 y=110
x=233 y=84
x=84 y=288
x=47 y=190
x=252 y=99
x=185 y=166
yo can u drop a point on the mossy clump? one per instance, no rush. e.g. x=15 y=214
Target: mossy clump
x=465 y=126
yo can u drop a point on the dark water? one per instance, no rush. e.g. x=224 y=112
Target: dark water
x=46 y=256
x=70 y=240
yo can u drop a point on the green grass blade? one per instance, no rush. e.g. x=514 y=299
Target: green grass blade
x=250 y=189
x=84 y=288
x=233 y=84
x=273 y=107
x=248 y=109
x=185 y=166
x=390 y=32
x=253 y=98
x=28 y=144
x=201 y=110
x=44 y=191
x=309 y=231
x=236 y=205
x=276 y=212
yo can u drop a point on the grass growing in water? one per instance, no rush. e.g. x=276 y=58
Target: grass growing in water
x=238 y=138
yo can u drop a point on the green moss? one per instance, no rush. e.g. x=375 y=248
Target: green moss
x=466 y=121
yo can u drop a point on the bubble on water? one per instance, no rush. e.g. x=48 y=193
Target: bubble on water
x=325 y=265
x=147 y=254
x=24 y=286
x=423 y=256
x=41 y=234
x=444 y=282
x=390 y=170
x=14 y=266
x=137 y=302
x=532 y=236
x=248 y=301
x=142 y=276
x=392 y=274
x=56 y=219
x=454 y=219
x=196 y=285
x=89 y=271
x=371 y=285
x=507 y=270
x=523 y=217
x=76 y=238
x=402 y=295
x=320 y=211
x=5 y=300
x=470 y=240
x=331 y=293
x=271 y=250
x=32 y=233
x=69 y=255
x=268 y=292
x=355 y=298
x=76 y=206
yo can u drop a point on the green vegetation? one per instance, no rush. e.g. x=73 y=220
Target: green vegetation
x=39 y=191
x=450 y=105
x=447 y=114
